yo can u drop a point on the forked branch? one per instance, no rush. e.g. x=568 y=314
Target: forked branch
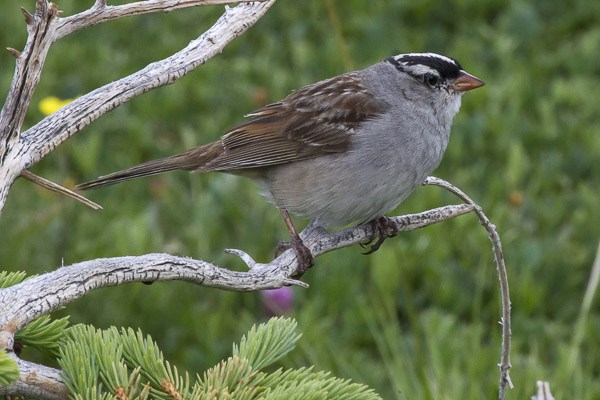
x=22 y=303
x=21 y=150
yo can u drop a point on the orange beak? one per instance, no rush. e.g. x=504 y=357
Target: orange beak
x=466 y=82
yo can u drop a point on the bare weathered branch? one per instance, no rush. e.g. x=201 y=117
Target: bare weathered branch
x=100 y=12
x=32 y=298
x=37 y=381
x=40 y=295
x=43 y=137
x=490 y=228
x=37 y=296
x=19 y=151
x=27 y=74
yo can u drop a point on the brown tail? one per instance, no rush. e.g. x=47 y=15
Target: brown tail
x=189 y=160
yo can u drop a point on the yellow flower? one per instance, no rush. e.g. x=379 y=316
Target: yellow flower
x=51 y=104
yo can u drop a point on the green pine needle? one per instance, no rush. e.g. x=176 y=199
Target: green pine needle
x=305 y=384
x=77 y=361
x=268 y=342
x=44 y=334
x=225 y=378
x=166 y=382
x=9 y=370
x=8 y=279
x=144 y=352
x=97 y=365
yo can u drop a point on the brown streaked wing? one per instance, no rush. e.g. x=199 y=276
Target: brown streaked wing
x=314 y=120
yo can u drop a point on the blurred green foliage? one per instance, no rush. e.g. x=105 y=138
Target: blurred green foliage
x=416 y=320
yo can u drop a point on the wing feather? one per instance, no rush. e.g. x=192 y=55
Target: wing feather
x=314 y=120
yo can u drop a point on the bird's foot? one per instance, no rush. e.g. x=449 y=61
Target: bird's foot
x=305 y=258
x=380 y=227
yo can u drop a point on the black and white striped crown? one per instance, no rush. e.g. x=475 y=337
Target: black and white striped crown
x=419 y=64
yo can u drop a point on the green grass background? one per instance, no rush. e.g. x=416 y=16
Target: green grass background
x=419 y=318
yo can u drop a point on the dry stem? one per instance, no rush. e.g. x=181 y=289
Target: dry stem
x=502 y=275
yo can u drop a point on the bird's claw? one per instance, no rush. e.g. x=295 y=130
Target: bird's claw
x=380 y=227
x=305 y=258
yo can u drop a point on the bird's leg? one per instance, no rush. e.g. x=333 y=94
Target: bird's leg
x=380 y=228
x=305 y=258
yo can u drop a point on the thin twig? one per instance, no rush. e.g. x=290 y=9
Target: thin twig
x=501 y=267
x=55 y=187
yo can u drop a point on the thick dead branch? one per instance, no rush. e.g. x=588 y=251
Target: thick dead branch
x=22 y=303
x=37 y=381
x=40 y=295
x=53 y=130
x=27 y=75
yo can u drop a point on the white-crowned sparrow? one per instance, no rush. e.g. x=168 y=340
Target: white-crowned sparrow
x=344 y=150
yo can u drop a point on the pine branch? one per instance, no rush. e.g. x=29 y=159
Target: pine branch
x=9 y=370
x=44 y=334
x=97 y=365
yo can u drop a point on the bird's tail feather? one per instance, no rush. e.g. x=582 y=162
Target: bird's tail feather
x=189 y=160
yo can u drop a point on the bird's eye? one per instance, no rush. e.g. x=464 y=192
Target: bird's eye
x=430 y=79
